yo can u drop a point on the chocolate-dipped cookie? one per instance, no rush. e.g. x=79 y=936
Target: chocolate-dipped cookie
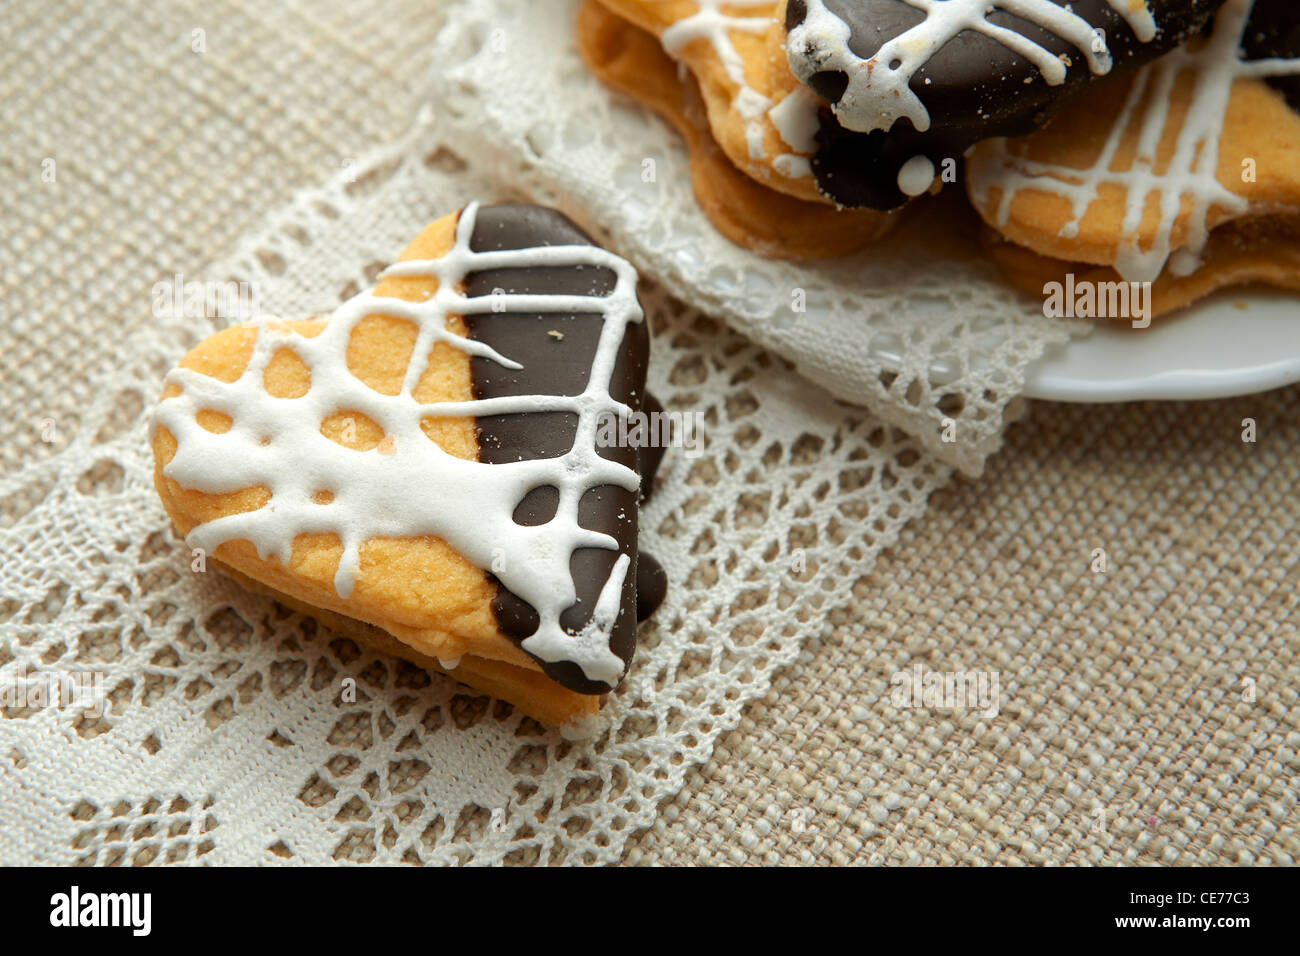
x=913 y=83
x=422 y=469
x=555 y=354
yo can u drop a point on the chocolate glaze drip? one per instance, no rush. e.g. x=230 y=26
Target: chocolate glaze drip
x=650 y=456
x=559 y=364
x=1273 y=30
x=973 y=87
x=651 y=579
x=651 y=585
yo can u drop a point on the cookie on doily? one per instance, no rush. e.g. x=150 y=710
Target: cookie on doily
x=424 y=471
x=1184 y=176
x=773 y=223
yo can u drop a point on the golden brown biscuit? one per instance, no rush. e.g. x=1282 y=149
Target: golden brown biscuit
x=415 y=465
x=771 y=223
x=1261 y=250
x=527 y=688
x=753 y=103
x=1183 y=176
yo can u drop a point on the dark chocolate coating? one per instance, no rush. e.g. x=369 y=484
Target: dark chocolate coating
x=1273 y=30
x=973 y=87
x=651 y=579
x=650 y=456
x=651 y=586
x=557 y=365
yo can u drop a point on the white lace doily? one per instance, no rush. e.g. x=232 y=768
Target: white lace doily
x=918 y=328
x=225 y=737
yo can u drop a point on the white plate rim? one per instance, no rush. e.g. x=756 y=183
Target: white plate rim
x=1236 y=342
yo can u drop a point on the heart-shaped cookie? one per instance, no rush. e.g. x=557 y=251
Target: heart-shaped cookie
x=1184 y=175
x=424 y=469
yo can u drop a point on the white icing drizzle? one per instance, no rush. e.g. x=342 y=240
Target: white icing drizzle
x=915 y=176
x=879 y=88
x=710 y=23
x=795 y=119
x=410 y=487
x=1191 y=172
x=791 y=166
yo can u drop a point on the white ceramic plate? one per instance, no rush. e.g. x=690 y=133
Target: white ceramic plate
x=1235 y=343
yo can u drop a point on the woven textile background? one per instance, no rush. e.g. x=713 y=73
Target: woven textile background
x=1149 y=714
x=1126 y=691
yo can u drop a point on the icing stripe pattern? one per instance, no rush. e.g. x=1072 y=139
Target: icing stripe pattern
x=879 y=89
x=711 y=24
x=1190 y=175
x=409 y=487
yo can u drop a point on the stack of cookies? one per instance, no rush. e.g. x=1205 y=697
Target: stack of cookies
x=423 y=471
x=1152 y=142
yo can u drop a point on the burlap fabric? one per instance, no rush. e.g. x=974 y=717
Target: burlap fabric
x=1148 y=712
